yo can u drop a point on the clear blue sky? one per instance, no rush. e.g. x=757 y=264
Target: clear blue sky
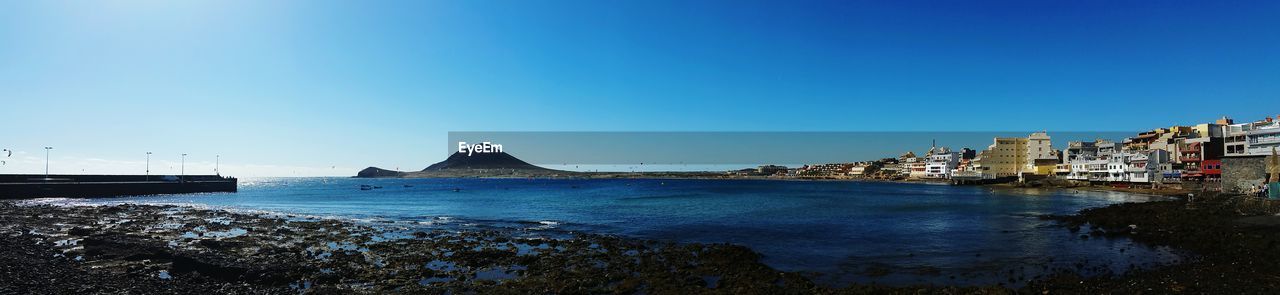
x=285 y=87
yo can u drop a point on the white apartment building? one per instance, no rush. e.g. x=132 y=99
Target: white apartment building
x=1144 y=167
x=1088 y=161
x=1116 y=165
x=1252 y=139
x=1134 y=166
x=1137 y=169
x=1077 y=154
x=940 y=163
x=1097 y=169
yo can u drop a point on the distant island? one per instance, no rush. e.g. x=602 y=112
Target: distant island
x=460 y=164
x=504 y=165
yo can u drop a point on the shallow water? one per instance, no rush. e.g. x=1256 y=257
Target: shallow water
x=841 y=232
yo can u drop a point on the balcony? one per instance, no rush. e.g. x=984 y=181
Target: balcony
x=1265 y=151
x=1189 y=159
x=1264 y=130
x=1267 y=140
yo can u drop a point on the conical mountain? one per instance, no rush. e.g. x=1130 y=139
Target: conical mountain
x=498 y=160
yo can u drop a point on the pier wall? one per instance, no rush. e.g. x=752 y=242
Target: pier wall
x=1239 y=174
x=25 y=186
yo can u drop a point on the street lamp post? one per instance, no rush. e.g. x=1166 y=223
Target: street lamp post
x=182 y=170
x=46 y=162
x=148 y=166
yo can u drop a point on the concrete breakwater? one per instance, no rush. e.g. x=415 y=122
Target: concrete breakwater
x=21 y=186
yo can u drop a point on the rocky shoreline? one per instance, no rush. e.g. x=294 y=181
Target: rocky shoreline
x=148 y=249
x=169 y=249
x=1236 y=240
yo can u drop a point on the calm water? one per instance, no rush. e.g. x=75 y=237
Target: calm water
x=839 y=231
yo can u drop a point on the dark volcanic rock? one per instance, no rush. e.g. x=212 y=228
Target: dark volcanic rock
x=121 y=246
x=111 y=262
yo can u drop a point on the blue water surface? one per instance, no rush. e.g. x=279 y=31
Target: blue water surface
x=836 y=231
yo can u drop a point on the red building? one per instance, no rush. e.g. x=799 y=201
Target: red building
x=1200 y=157
x=1211 y=169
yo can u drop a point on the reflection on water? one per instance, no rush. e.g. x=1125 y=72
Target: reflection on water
x=842 y=231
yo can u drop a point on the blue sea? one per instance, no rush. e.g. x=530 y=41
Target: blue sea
x=835 y=232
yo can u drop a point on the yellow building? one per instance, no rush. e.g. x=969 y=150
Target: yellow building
x=1044 y=166
x=1006 y=156
x=1010 y=156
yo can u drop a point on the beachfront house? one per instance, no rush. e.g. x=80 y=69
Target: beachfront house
x=1077 y=154
x=940 y=163
x=1144 y=166
x=1116 y=167
x=1252 y=139
x=864 y=169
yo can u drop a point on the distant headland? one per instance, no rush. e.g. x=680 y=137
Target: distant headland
x=499 y=164
x=504 y=165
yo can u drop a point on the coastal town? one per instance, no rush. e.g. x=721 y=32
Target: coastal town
x=1222 y=155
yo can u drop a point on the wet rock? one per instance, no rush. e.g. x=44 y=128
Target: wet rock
x=80 y=231
x=126 y=247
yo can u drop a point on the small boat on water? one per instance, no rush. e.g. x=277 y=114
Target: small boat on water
x=365 y=187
